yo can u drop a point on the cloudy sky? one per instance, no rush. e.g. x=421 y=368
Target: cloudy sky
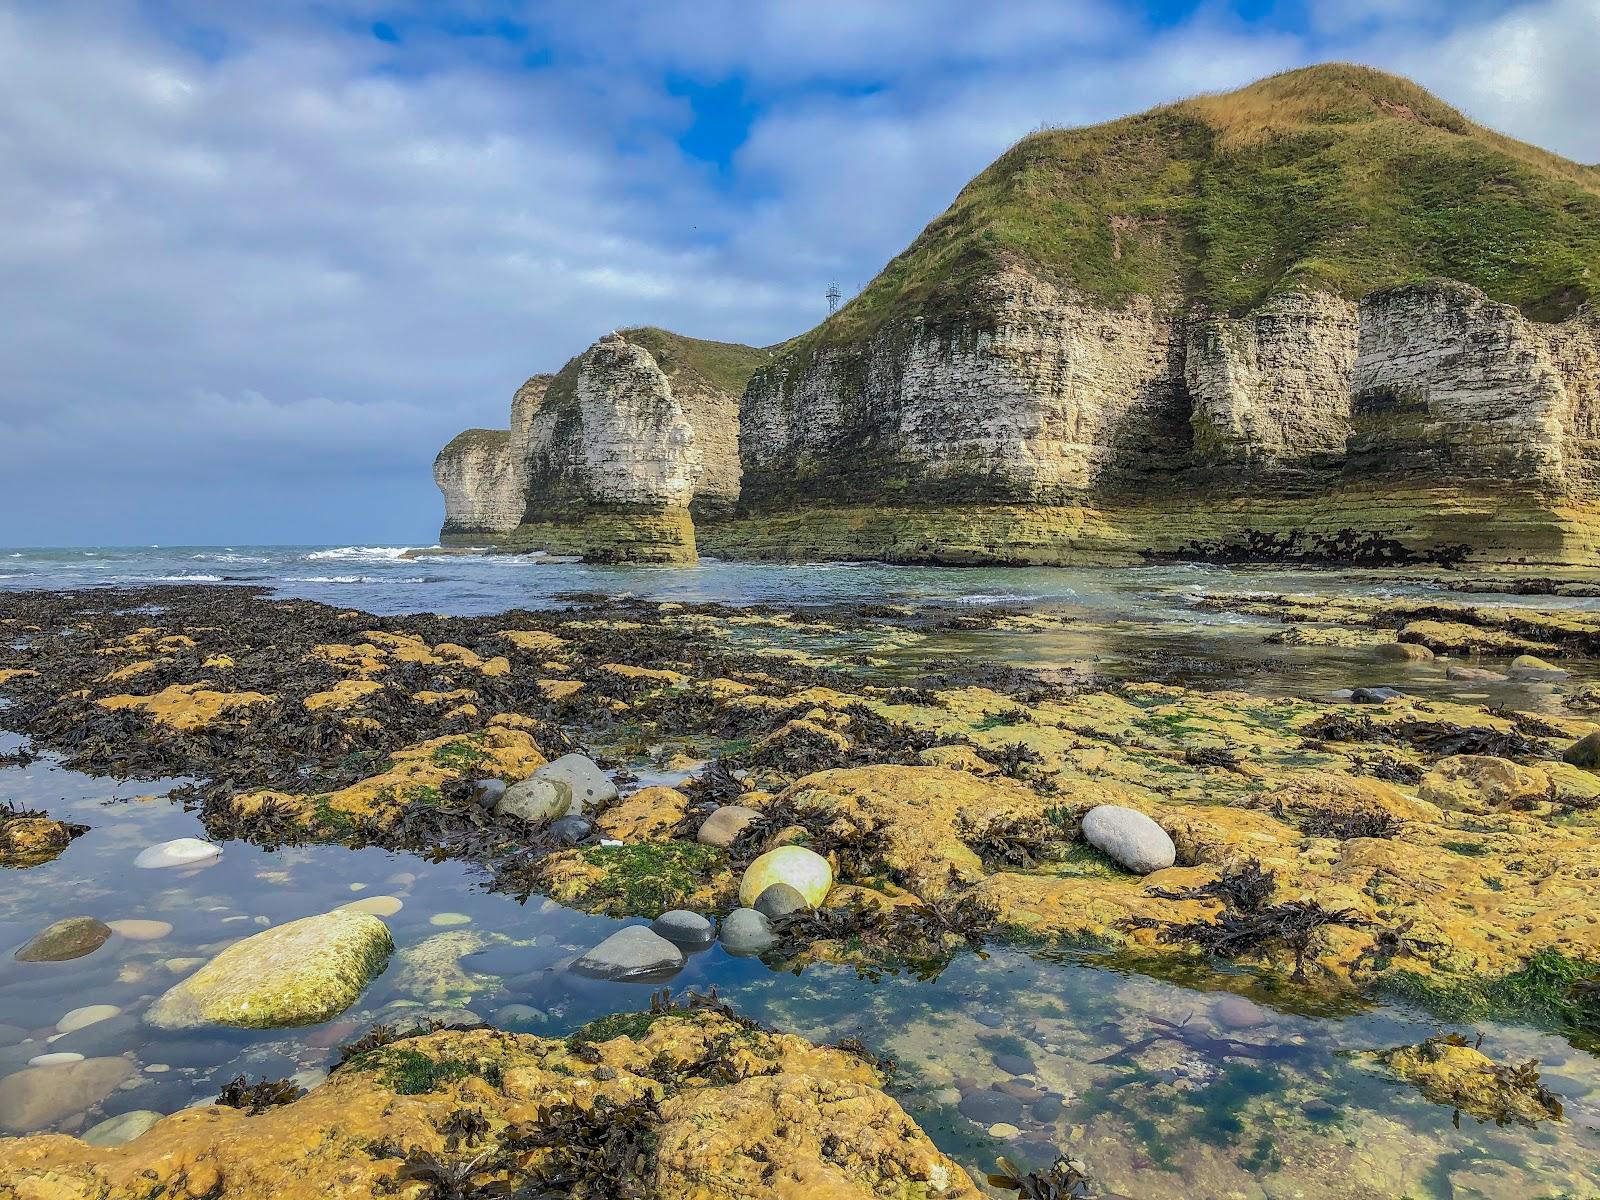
x=259 y=261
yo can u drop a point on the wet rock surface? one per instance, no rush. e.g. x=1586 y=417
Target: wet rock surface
x=707 y=1108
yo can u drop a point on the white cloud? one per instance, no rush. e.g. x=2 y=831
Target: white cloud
x=285 y=250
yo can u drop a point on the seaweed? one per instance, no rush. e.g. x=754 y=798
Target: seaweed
x=464 y=1127
x=1345 y=824
x=601 y=1152
x=256 y=1098
x=1211 y=756
x=1247 y=923
x=453 y=1180
x=1246 y=888
x=1441 y=738
x=1066 y=1179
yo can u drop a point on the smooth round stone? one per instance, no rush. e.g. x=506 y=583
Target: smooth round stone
x=67 y=939
x=58 y=1058
x=1529 y=666
x=1235 y=1012
x=1129 y=838
x=570 y=830
x=1375 y=695
x=724 y=825
x=745 y=931
x=378 y=906
x=631 y=953
x=520 y=1017
x=684 y=928
x=804 y=870
x=180 y=852
x=990 y=1107
x=534 y=801
x=1026 y=1092
x=1047 y=1110
x=489 y=791
x=780 y=900
x=990 y=1018
x=1584 y=753
x=121 y=1129
x=1003 y=1129
x=1015 y=1064
x=140 y=930
x=582 y=781
x=111 y=1036
x=1473 y=674
x=78 y=1018
x=447 y=919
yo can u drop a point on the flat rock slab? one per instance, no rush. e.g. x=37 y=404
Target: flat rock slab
x=300 y=973
x=37 y=1097
x=631 y=953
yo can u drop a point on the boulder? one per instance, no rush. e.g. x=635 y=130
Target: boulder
x=684 y=928
x=72 y=937
x=804 y=870
x=122 y=1128
x=1404 y=652
x=300 y=973
x=1529 y=666
x=631 y=953
x=534 y=800
x=745 y=931
x=180 y=852
x=780 y=900
x=1129 y=838
x=38 y=1097
x=570 y=830
x=586 y=785
x=725 y=824
x=1584 y=753
x=1375 y=695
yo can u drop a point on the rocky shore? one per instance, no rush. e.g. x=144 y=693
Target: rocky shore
x=805 y=807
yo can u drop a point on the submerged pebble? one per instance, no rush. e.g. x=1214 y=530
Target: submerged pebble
x=180 y=852
x=78 y=1018
x=118 y=1130
x=139 y=930
x=745 y=931
x=67 y=939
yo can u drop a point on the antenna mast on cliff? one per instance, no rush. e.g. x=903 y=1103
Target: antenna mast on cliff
x=833 y=294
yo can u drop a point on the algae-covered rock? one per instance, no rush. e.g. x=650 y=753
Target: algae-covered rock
x=69 y=938
x=703 y=1108
x=804 y=870
x=533 y=800
x=1448 y=1070
x=299 y=973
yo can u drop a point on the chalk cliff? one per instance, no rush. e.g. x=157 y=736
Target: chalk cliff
x=1323 y=318
x=608 y=457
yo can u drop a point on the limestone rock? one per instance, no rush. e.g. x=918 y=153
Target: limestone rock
x=746 y=931
x=535 y=800
x=1129 y=838
x=764 y=1116
x=804 y=870
x=631 y=953
x=684 y=928
x=299 y=973
x=586 y=785
x=1478 y=781
x=724 y=824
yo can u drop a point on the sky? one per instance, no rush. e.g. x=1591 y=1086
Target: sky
x=258 y=262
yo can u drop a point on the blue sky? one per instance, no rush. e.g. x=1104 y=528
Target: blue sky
x=260 y=261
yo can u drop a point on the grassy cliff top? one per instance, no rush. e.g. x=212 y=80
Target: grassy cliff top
x=725 y=365
x=1336 y=177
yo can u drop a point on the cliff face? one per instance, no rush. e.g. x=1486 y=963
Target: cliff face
x=1424 y=423
x=606 y=458
x=1322 y=318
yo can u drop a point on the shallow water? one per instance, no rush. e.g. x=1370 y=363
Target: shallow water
x=1294 y=1114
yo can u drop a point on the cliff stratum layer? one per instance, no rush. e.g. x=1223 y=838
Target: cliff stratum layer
x=1324 y=318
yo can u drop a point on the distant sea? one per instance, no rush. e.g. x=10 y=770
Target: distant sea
x=381 y=579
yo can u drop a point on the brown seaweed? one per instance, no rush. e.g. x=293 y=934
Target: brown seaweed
x=256 y=1098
